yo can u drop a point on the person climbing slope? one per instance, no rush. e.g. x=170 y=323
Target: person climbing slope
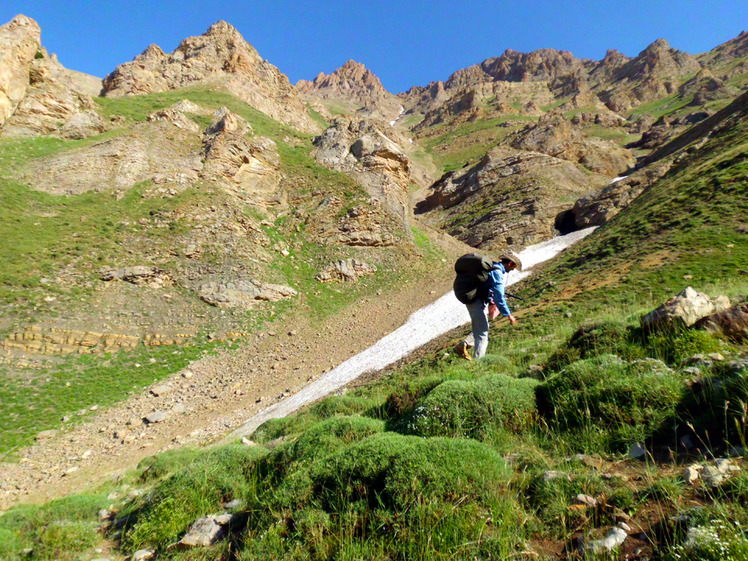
x=480 y=286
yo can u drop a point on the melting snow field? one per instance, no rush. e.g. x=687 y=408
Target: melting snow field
x=422 y=326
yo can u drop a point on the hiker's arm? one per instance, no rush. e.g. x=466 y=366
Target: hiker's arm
x=496 y=287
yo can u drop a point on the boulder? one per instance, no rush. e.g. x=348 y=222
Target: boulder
x=346 y=270
x=731 y=322
x=682 y=310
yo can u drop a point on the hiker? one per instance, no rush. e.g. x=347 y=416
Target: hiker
x=480 y=286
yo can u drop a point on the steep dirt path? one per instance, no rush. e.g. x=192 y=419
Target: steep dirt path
x=214 y=395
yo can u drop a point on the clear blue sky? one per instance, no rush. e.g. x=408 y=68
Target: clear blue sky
x=405 y=42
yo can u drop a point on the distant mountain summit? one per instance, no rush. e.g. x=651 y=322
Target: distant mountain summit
x=353 y=84
x=220 y=58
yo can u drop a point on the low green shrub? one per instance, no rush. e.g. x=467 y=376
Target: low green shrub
x=325 y=437
x=622 y=402
x=716 y=408
x=473 y=408
x=181 y=495
x=392 y=469
x=61 y=529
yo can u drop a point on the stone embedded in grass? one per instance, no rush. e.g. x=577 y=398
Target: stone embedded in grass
x=205 y=531
x=682 y=310
x=615 y=538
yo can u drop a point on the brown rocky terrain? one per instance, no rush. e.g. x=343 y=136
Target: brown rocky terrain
x=220 y=58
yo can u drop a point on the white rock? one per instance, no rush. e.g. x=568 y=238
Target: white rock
x=142 y=555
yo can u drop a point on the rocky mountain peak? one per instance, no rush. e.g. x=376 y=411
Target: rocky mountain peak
x=152 y=52
x=223 y=28
x=356 y=84
x=353 y=77
x=218 y=58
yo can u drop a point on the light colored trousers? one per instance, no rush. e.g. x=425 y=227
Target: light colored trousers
x=478 y=311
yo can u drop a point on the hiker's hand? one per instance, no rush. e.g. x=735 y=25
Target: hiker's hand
x=512 y=319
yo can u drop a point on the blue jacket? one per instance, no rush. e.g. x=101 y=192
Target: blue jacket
x=494 y=288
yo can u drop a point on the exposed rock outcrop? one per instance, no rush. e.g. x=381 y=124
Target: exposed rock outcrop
x=243 y=294
x=156 y=151
x=558 y=137
x=37 y=94
x=138 y=275
x=346 y=270
x=369 y=155
x=219 y=58
x=599 y=207
x=510 y=198
x=248 y=165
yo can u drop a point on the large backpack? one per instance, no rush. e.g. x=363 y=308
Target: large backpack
x=472 y=273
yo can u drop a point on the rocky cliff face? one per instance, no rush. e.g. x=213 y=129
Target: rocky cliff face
x=510 y=198
x=219 y=58
x=37 y=94
x=20 y=40
x=371 y=156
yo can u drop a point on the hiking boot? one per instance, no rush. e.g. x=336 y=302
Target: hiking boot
x=462 y=350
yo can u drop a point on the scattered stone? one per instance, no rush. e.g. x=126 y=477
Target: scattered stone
x=712 y=476
x=691 y=474
x=637 y=451
x=155 y=417
x=625 y=527
x=616 y=536
x=583 y=499
x=550 y=475
x=179 y=408
x=236 y=503
x=161 y=389
x=247 y=442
